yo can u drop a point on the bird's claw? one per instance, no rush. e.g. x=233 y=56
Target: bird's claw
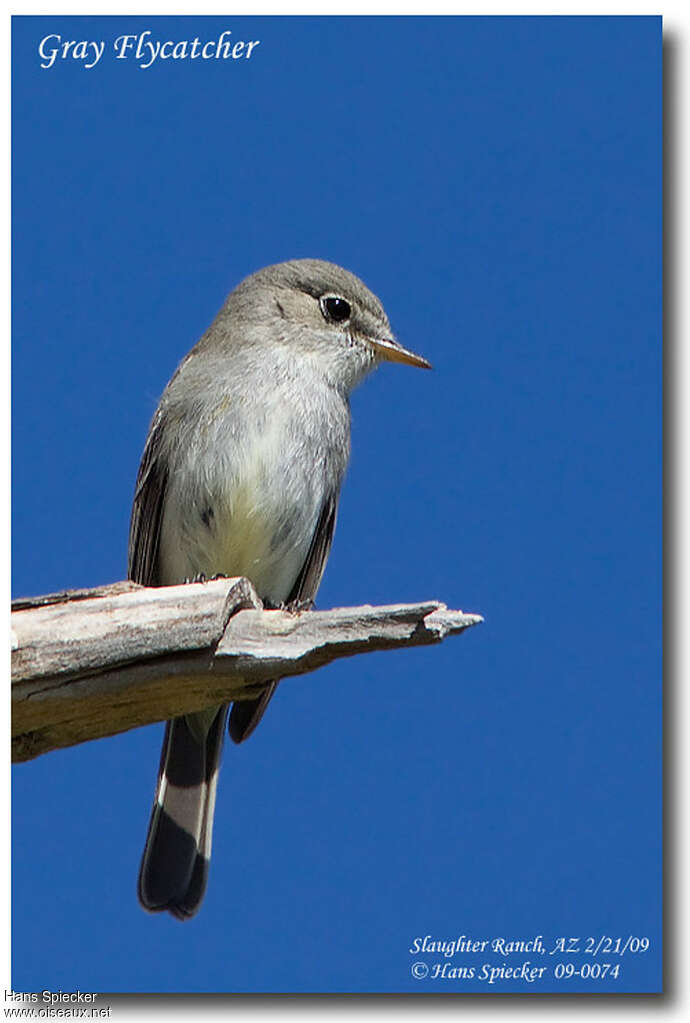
x=294 y=607
x=201 y=577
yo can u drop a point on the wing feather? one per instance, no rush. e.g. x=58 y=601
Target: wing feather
x=307 y=582
x=147 y=511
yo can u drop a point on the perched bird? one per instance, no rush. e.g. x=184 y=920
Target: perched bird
x=240 y=475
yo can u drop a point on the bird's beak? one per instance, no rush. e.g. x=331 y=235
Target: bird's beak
x=391 y=351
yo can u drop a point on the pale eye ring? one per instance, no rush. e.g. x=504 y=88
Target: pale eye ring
x=335 y=308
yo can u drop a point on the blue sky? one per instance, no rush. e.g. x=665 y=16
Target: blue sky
x=497 y=182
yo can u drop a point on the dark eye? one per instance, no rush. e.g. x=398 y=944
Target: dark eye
x=335 y=309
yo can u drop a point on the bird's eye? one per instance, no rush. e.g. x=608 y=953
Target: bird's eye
x=335 y=308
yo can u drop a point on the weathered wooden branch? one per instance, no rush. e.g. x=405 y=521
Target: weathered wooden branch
x=91 y=663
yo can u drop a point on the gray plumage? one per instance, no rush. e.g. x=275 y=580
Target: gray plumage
x=241 y=475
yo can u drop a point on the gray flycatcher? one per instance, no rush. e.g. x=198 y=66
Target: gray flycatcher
x=240 y=476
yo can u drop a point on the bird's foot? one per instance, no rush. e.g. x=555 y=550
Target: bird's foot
x=201 y=577
x=292 y=606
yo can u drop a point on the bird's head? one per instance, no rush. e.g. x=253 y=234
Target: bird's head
x=324 y=314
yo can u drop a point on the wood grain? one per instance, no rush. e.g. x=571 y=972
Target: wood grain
x=92 y=663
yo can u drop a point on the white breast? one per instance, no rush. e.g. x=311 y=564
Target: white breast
x=246 y=492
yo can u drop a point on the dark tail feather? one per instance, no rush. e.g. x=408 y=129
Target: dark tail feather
x=246 y=714
x=174 y=868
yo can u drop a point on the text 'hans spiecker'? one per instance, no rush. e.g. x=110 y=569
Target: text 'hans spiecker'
x=143 y=49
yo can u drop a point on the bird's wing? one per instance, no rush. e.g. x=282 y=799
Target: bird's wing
x=246 y=714
x=147 y=511
x=307 y=582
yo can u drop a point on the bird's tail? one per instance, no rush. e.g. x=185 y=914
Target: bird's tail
x=174 y=867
